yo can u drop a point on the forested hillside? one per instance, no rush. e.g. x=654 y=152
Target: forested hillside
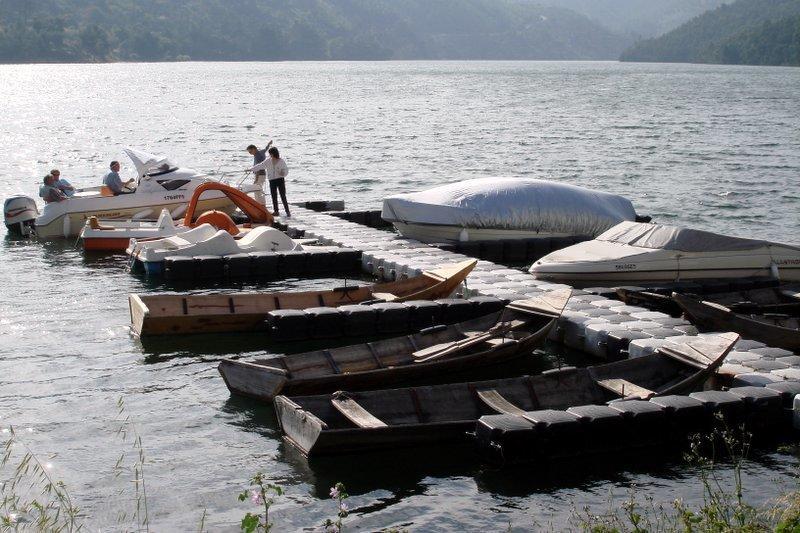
x=156 y=30
x=757 y=32
x=639 y=18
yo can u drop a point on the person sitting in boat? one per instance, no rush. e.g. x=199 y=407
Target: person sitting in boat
x=258 y=157
x=277 y=171
x=62 y=184
x=114 y=182
x=49 y=192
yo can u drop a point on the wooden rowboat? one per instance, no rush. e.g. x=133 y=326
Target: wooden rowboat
x=346 y=422
x=775 y=323
x=427 y=355
x=174 y=314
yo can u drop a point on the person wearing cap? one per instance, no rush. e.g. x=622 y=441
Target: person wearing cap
x=258 y=157
x=114 y=182
x=50 y=192
x=62 y=184
x=277 y=171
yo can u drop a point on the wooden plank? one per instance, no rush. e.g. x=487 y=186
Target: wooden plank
x=625 y=388
x=354 y=412
x=495 y=401
x=550 y=303
x=385 y=296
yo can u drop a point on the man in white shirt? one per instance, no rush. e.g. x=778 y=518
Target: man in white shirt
x=277 y=171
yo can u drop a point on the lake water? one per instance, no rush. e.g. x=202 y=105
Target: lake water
x=714 y=147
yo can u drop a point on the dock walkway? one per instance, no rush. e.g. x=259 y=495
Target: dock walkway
x=596 y=325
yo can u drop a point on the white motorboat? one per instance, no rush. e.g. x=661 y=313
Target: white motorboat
x=159 y=185
x=206 y=240
x=489 y=209
x=634 y=253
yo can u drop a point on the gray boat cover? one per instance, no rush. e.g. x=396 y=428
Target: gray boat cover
x=664 y=237
x=511 y=203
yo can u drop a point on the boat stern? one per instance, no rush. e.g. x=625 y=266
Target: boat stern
x=252 y=380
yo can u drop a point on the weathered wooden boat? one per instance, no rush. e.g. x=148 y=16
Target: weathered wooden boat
x=345 y=422
x=774 y=320
x=173 y=314
x=649 y=299
x=429 y=354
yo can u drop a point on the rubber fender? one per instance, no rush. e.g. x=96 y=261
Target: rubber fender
x=359 y=320
x=604 y=428
x=456 y=310
x=292 y=264
x=645 y=422
x=209 y=267
x=487 y=304
x=423 y=314
x=537 y=248
x=264 y=264
x=319 y=261
x=515 y=251
x=178 y=268
x=715 y=286
x=288 y=325
x=618 y=342
x=764 y=408
x=723 y=403
x=238 y=265
x=492 y=251
x=393 y=317
x=326 y=323
x=787 y=389
x=506 y=439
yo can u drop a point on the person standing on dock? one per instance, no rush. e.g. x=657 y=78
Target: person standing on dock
x=277 y=171
x=258 y=157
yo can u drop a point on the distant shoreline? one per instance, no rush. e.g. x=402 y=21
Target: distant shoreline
x=571 y=60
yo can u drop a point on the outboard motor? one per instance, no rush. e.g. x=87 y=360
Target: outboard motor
x=20 y=214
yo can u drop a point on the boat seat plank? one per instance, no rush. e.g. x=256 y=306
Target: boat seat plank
x=354 y=412
x=385 y=296
x=496 y=402
x=625 y=388
x=793 y=293
x=501 y=341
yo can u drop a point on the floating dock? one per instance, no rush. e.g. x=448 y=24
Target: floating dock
x=592 y=323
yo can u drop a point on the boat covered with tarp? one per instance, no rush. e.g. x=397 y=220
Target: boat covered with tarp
x=637 y=252
x=486 y=209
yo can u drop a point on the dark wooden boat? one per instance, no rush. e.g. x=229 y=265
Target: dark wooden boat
x=429 y=354
x=173 y=314
x=346 y=422
x=775 y=321
x=649 y=299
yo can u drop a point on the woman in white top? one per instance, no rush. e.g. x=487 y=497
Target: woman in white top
x=277 y=171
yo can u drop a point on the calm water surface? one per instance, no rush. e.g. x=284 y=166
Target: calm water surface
x=709 y=146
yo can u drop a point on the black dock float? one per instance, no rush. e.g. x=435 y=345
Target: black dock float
x=389 y=318
x=624 y=426
x=263 y=265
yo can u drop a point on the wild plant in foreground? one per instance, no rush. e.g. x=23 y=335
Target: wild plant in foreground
x=126 y=429
x=30 y=498
x=724 y=507
x=261 y=492
x=339 y=494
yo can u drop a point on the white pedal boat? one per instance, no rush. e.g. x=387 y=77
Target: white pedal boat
x=111 y=236
x=159 y=185
x=490 y=209
x=206 y=240
x=634 y=253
